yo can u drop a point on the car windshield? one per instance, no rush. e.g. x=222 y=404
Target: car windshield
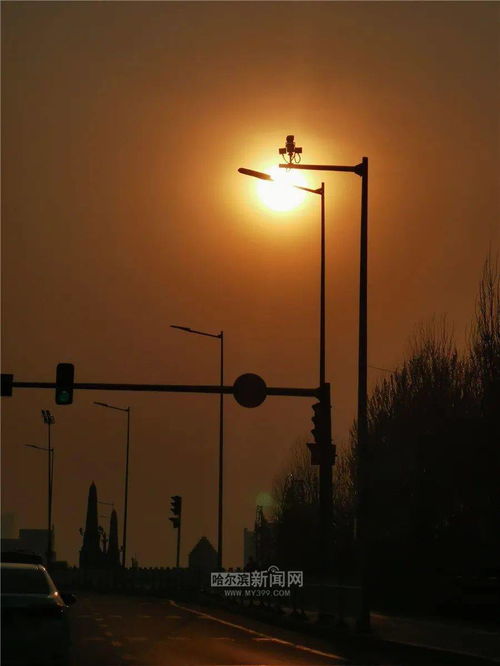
x=24 y=581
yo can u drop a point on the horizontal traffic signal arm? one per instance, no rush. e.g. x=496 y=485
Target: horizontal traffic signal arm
x=179 y=388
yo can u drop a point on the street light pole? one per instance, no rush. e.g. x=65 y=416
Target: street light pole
x=50 y=478
x=49 y=419
x=322 y=340
x=125 y=508
x=325 y=465
x=220 y=523
x=361 y=525
x=221 y=454
x=321 y=192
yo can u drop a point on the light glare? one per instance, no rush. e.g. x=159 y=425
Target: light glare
x=279 y=194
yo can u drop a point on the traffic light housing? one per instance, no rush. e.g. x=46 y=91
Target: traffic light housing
x=7 y=381
x=65 y=375
x=321 y=449
x=176 y=509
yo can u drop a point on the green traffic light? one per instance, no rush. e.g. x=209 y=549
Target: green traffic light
x=63 y=397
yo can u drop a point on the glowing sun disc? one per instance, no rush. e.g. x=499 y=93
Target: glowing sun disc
x=280 y=194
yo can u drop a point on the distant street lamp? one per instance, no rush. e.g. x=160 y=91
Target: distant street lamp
x=123 y=409
x=50 y=451
x=220 y=336
x=292 y=162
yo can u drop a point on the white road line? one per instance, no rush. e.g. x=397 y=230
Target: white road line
x=148 y=616
x=108 y=634
x=137 y=638
x=116 y=643
x=297 y=646
x=117 y=616
x=222 y=638
x=173 y=617
x=176 y=638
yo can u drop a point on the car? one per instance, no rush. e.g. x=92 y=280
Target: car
x=22 y=557
x=35 y=622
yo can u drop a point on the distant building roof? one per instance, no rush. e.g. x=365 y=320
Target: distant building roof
x=203 y=556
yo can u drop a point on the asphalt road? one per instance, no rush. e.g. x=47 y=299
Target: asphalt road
x=113 y=630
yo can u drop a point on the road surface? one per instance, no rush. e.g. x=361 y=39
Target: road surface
x=114 y=630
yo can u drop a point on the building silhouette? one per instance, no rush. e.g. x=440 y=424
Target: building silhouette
x=29 y=541
x=248 y=546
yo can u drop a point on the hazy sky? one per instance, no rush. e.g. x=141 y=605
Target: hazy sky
x=123 y=126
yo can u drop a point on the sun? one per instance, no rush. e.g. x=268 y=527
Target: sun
x=280 y=195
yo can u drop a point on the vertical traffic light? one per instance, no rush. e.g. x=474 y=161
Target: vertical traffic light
x=65 y=375
x=176 y=509
x=318 y=428
x=7 y=381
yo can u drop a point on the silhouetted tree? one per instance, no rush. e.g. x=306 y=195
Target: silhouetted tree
x=296 y=511
x=434 y=454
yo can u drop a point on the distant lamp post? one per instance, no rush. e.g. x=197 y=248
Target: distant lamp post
x=123 y=409
x=50 y=451
x=220 y=336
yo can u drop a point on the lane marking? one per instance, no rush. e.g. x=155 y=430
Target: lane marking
x=82 y=616
x=148 y=616
x=173 y=617
x=137 y=638
x=116 y=643
x=296 y=646
x=222 y=638
x=94 y=638
x=176 y=638
x=108 y=634
x=118 y=616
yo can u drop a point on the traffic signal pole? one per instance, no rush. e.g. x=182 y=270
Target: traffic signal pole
x=177 y=559
x=326 y=483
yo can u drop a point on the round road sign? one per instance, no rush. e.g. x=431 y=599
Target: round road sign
x=249 y=390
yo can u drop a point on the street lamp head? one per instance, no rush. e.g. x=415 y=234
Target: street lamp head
x=181 y=328
x=48 y=417
x=266 y=176
x=40 y=448
x=255 y=174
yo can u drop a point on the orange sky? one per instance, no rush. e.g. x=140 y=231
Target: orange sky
x=123 y=126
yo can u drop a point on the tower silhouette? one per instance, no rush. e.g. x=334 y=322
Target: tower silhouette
x=91 y=556
x=113 y=554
